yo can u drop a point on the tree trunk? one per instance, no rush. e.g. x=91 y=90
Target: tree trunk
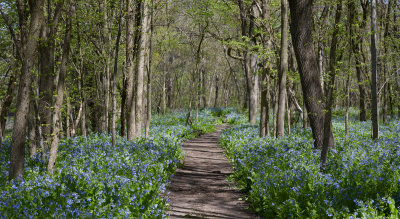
x=355 y=46
x=301 y=31
x=47 y=54
x=69 y=116
x=31 y=130
x=216 y=91
x=142 y=54
x=264 y=117
x=288 y=113
x=328 y=141
x=7 y=101
x=130 y=66
x=374 y=74
x=149 y=69
x=280 y=126
x=114 y=81
x=60 y=90
x=29 y=42
x=164 y=97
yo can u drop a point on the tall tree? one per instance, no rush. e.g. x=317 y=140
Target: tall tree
x=114 y=79
x=301 y=31
x=140 y=68
x=30 y=19
x=60 y=89
x=328 y=140
x=280 y=126
x=47 y=64
x=374 y=73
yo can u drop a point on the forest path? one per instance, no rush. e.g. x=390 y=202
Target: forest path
x=200 y=189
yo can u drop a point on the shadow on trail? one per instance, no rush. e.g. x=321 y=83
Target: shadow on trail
x=200 y=189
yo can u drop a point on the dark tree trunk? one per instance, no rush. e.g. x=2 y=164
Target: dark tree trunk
x=301 y=31
x=264 y=117
x=216 y=91
x=7 y=103
x=374 y=74
x=47 y=53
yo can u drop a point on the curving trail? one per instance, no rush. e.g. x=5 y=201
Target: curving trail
x=200 y=189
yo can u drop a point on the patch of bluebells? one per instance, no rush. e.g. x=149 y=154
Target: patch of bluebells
x=94 y=179
x=282 y=177
x=234 y=118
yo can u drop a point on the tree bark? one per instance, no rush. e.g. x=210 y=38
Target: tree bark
x=328 y=141
x=29 y=42
x=216 y=91
x=149 y=69
x=130 y=112
x=114 y=81
x=31 y=130
x=374 y=74
x=60 y=90
x=355 y=46
x=301 y=31
x=7 y=101
x=264 y=117
x=280 y=126
x=47 y=55
x=142 y=54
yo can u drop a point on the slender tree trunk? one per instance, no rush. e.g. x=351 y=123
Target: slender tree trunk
x=29 y=44
x=31 y=130
x=374 y=74
x=275 y=112
x=69 y=116
x=7 y=101
x=142 y=54
x=123 y=106
x=264 y=117
x=301 y=31
x=305 y=116
x=328 y=141
x=348 y=82
x=216 y=91
x=47 y=63
x=149 y=69
x=280 y=126
x=288 y=113
x=114 y=81
x=60 y=90
x=164 y=97
x=356 y=40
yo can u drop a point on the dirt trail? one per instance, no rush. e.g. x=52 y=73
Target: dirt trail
x=200 y=189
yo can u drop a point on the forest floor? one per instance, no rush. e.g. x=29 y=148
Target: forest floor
x=200 y=188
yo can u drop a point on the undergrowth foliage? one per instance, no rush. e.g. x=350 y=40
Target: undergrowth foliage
x=283 y=178
x=94 y=179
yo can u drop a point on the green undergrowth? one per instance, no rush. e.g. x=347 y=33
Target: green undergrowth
x=95 y=180
x=283 y=180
